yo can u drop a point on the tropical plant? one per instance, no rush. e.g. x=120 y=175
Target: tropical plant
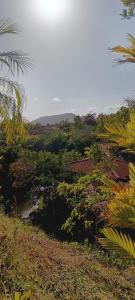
x=83 y=199
x=11 y=106
x=121 y=134
x=120 y=211
x=12 y=123
x=129 y=9
x=15 y=61
x=118 y=242
x=94 y=153
x=20 y=296
x=128 y=53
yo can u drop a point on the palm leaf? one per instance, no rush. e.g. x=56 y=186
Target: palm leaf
x=109 y=183
x=122 y=135
x=131 y=39
x=13 y=124
x=128 y=54
x=123 y=217
x=132 y=175
x=8 y=87
x=119 y=243
x=16 y=61
x=11 y=94
x=118 y=134
x=8 y=27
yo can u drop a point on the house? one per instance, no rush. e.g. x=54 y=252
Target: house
x=120 y=172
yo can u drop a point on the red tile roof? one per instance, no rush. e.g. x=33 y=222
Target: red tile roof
x=81 y=166
x=121 y=170
x=86 y=165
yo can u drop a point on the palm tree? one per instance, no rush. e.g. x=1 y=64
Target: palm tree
x=120 y=212
x=13 y=125
x=128 y=53
x=11 y=94
x=121 y=134
x=16 y=61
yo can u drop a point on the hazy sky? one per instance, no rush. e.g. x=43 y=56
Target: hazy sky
x=73 y=69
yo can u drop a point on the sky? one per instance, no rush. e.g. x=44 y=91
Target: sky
x=73 y=69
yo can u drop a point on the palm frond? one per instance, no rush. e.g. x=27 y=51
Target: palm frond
x=118 y=134
x=109 y=182
x=16 y=61
x=117 y=242
x=132 y=175
x=121 y=208
x=120 y=211
x=131 y=125
x=122 y=135
x=8 y=87
x=131 y=39
x=13 y=124
x=128 y=53
x=124 y=217
x=8 y=27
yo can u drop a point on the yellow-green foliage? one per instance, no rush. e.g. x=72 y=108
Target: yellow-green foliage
x=19 y=296
x=121 y=214
x=54 y=270
x=13 y=125
x=121 y=134
x=118 y=242
x=121 y=209
x=128 y=53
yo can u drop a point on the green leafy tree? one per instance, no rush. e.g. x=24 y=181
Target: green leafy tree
x=56 y=142
x=123 y=115
x=129 y=9
x=83 y=199
x=78 y=121
x=90 y=119
x=94 y=153
x=69 y=156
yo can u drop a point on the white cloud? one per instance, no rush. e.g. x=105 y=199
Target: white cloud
x=56 y=99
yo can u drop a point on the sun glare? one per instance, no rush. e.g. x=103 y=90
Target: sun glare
x=52 y=10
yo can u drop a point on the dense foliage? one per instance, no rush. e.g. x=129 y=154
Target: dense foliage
x=37 y=169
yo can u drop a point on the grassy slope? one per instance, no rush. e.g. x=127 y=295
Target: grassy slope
x=55 y=270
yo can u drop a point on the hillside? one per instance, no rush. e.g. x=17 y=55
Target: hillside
x=55 y=270
x=54 y=119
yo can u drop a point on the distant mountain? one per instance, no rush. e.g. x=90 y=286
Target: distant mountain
x=54 y=119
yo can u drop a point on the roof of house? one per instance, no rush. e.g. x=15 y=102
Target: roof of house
x=81 y=166
x=120 y=170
